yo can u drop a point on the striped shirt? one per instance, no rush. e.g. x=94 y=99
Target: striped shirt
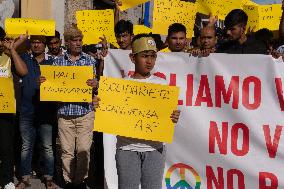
x=76 y=108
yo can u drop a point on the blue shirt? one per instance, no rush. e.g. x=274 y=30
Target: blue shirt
x=30 y=88
x=75 y=109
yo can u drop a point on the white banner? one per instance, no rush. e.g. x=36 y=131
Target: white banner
x=229 y=135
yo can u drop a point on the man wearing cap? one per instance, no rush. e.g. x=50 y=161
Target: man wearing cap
x=75 y=120
x=36 y=118
x=239 y=42
x=140 y=161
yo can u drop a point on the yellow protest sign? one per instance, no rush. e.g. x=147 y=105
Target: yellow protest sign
x=248 y=2
x=96 y=23
x=16 y=26
x=7 y=97
x=135 y=109
x=66 y=83
x=126 y=4
x=169 y=12
x=264 y=16
x=138 y=29
x=219 y=8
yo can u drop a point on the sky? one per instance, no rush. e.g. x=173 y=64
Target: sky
x=267 y=1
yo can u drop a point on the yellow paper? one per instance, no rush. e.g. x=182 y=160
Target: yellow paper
x=165 y=50
x=7 y=97
x=253 y=16
x=66 y=83
x=218 y=7
x=138 y=29
x=169 y=12
x=135 y=109
x=126 y=4
x=248 y=2
x=264 y=16
x=270 y=16
x=96 y=23
x=16 y=26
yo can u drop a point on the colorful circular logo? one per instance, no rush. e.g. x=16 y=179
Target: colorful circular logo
x=182 y=183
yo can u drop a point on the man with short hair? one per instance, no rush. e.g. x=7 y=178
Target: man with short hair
x=176 y=38
x=239 y=42
x=208 y=41
x=124 y=34
x=208 y=38
x=54 y=45
x=36 y=118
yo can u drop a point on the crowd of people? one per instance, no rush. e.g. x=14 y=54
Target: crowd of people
x=72 y=123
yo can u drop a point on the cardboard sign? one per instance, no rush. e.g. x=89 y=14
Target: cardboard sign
x=7 y=97
x=66 y=83
x=135 y=109
x=16 y=26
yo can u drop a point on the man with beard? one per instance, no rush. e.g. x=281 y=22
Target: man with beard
x=54 y=45
x=238 y=41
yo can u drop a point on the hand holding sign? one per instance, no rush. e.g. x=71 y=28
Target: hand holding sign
x=136 y=109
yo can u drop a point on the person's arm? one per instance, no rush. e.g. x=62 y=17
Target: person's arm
x=96 y=102
x=93 y=82
x=175 y=116
x=102 y=55
x=212 y=20
x=19 y=41
x=281 y=26
x=116 y=11
x=19 y=64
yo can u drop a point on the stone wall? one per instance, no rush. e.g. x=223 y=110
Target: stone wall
x=71 y=6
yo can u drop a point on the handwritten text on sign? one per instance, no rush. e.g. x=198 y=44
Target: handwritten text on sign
x=169 y=12
x=66 y=83
x=218 y=7
x=15 y=26
x=264 y=16
x=96 y=23
x=136 y=109
x=7 y=99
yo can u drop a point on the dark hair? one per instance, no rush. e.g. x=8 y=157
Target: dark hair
x=176 y=27
x=89 y=48
x=236 y=16
x=264 y=34
x=158 y=40
x=123 y=26
x=56 y=35
x=2 y=33
x=138 y=36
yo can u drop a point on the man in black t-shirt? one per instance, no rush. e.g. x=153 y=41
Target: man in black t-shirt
x=239 y=42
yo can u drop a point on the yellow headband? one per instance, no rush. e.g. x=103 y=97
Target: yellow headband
x=144 y=44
